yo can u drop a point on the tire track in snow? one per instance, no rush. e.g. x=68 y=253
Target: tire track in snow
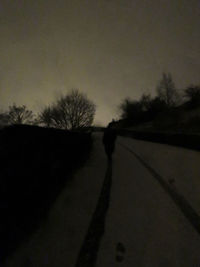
x=187 y=210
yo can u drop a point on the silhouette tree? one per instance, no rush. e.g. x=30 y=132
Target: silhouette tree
x=192 y=93
x=166 y=90
x=145 y=102
x=130 y=109
x=143 y=110
x=132 y=112
x=19 y=114
x=45 y=116
x=156 y=106
x=4 y=120
x=72 y=111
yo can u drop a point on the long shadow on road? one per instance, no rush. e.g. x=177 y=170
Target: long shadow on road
x=88 y=252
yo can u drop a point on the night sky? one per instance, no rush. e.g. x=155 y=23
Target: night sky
x=109 y=49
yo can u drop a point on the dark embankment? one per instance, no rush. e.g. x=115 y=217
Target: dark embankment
x=35 y=165
x=191 y=141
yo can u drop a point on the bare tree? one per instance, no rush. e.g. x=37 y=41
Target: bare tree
x=72 y=111
x=45 y=116
x=19 y=114
x=166 y=90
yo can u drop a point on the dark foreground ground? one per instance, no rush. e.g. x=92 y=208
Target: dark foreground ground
x=35 y=165
x=140 y=209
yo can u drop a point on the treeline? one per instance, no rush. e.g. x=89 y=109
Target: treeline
x=168 y=102
x=71 y=111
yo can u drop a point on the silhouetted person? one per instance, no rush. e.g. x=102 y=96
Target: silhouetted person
x=109 y=139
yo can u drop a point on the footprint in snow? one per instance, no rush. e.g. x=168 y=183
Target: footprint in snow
x=120 y=252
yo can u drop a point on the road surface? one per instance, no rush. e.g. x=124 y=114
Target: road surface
x=143 y=210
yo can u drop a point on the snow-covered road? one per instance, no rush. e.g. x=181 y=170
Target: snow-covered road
x=143 y=224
